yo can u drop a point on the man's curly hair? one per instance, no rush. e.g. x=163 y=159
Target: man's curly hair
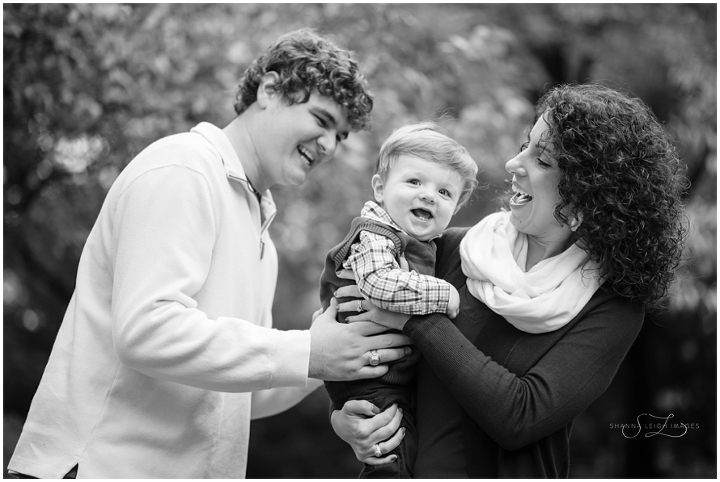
x=621 y=171
x=307 y=62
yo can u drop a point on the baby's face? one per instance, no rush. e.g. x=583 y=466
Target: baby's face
x=420 y=196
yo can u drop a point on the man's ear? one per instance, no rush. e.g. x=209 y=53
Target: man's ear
x=378 y=188
x=267 y=88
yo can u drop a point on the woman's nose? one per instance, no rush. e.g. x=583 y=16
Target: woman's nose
x=514 y=166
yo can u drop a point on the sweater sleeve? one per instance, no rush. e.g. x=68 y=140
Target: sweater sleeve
x=518 y=410
x=381 y=280
x=163 y=237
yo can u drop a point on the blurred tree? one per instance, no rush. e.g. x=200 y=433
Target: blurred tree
x=87 y=86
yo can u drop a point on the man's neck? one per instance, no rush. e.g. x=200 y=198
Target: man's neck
x=240 y=139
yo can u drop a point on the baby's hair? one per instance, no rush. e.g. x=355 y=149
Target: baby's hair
x=427 y=140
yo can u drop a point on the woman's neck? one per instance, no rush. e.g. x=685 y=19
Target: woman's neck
x=540 y=249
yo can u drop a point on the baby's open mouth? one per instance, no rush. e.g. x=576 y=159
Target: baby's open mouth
x=422 y=214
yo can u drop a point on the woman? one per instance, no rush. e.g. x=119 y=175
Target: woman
x=553 y=294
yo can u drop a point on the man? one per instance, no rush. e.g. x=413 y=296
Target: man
x=167 y=349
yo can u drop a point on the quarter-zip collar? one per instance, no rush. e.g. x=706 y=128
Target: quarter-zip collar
x=235 y=172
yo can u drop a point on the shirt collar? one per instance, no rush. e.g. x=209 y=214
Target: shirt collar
x=234 y=169
x=216 y=137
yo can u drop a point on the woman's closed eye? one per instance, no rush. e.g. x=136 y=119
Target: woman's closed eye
x=543 y=164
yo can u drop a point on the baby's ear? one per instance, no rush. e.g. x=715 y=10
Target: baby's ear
x=378 y=188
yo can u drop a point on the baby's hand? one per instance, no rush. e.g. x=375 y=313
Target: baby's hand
x=454 y=304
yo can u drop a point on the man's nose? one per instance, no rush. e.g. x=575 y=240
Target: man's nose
x=328 y=144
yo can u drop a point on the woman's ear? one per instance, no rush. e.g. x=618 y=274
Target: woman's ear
x=267 y=88
x=378 y=188
x=576 y=221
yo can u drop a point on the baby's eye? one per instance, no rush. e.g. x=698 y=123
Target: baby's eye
x=524 y=146
x=445 y=192
x=414 y=182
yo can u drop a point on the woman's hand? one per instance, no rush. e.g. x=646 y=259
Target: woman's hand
x=362 y=425
x=370 y=312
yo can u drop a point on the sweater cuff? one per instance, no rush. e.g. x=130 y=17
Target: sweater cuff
x=418 y=325
x=292 y=359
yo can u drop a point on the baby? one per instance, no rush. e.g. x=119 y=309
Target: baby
x=423 y=178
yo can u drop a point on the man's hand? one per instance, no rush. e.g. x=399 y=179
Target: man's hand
x=340 y=352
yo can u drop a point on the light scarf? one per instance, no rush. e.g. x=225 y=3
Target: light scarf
x=541 y=300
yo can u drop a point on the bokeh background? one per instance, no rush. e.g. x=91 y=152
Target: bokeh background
x=87 y=86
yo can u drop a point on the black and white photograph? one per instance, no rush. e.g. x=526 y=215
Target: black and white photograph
x=360 y=240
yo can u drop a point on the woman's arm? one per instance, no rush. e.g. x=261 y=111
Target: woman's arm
x=518 y=410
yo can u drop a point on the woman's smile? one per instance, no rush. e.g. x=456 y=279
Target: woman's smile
x=520 y=198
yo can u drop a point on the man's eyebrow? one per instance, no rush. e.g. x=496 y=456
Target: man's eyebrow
x=330 y=119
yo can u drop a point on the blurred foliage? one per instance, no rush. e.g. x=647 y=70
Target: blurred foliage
x=87 y=86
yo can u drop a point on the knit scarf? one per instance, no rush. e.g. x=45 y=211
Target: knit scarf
x=541 y=300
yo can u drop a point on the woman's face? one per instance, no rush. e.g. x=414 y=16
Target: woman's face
x=535 y=182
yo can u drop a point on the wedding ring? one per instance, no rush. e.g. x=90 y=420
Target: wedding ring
x=359 y=308
x=378 y=452
x=374 y=359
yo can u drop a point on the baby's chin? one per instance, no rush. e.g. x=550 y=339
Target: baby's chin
x=428 y=236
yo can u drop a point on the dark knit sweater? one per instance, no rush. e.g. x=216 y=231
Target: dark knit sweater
x=520 y=392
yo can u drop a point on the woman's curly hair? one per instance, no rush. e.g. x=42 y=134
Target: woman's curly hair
x=305 y=62
x=621 y=171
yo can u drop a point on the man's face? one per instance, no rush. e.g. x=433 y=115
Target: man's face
x=298 y=138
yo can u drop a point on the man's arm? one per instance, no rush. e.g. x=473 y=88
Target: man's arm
x=163 y=238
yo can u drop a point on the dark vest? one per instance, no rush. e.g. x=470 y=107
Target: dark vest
x=420 y=256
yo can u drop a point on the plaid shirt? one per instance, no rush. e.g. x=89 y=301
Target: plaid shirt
x=382 y=281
